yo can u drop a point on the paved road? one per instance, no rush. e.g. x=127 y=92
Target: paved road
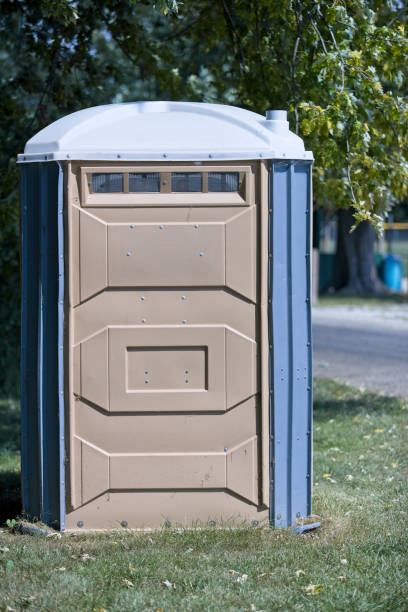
x=363 y=346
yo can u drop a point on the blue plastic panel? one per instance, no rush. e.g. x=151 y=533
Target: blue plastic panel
x=290 y=341
x=41 y=337
x=30 y=449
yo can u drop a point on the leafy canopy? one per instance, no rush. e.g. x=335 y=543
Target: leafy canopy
x=339 y=68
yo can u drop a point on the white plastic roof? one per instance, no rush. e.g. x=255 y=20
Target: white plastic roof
x=178 y=131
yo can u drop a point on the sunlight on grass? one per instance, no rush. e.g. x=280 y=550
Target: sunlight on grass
x=356 y=561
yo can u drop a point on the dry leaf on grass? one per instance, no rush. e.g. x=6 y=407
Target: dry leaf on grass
x=264 y=574
x=341 y=578
x=312 y=589
x=128 y=583
x=242 y=579
x=300 y=572
x=169 y=584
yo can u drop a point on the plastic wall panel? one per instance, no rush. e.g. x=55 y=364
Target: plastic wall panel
x=42 y=292
x=290 y=338
x=30 y=451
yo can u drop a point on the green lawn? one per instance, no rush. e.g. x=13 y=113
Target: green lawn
x=378 y=301
x=357 y=560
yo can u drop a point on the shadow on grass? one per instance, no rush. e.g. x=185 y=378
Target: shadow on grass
x=10 y=484
x=332 y=398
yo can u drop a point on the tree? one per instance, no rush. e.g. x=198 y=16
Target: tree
x=339 y=67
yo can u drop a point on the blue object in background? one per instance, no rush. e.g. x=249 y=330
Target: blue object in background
x=391 y=272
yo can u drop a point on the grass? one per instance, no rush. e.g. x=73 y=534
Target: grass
x=337 y=299
x=357 y=560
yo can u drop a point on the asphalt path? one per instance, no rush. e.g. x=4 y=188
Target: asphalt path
x=366 y=347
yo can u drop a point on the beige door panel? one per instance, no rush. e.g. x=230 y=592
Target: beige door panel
x=234 y=469
x=163 y=368
x=171 y=307
x=93 y=254
x=150 y=510
x=166 y=433
x=166 y=255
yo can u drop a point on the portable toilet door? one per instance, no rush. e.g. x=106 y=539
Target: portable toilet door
x=166 y=359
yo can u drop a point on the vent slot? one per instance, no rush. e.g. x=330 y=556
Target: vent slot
x=107 y=183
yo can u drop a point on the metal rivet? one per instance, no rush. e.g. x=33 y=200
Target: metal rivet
x=147 y=382
x=184 y=321
x=298 y=515
x=167 y=523
x=183 y=297
x=143 y=320
x=118 y=156
x=270 y=210
x=80 y=524
x=164 y=154
x=307 y=343
x=128 y=253
x=307 y=475
x=164 y=182
x=186 y=372
x=187 y=381
x=255 y=523
x=161 y=226
x=210 y=155
x=270 y=255
x=225 y=449
x=260 y=155
x=124 y=523
x=67 y=155
x=271 y=346
x=132 y=226
x=147 y=371
x=196 y=225
x=212 y=523
x=308 y=388
x=142 y=298
x=201 y=254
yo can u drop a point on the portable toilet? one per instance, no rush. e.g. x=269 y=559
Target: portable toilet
x=166 y=332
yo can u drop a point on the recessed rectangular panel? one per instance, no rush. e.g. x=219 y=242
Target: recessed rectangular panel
x=168 y=471
x=171 y=254
x=164 y=368
x=197 y=350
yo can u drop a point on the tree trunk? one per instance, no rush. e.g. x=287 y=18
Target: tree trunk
x=355 y=271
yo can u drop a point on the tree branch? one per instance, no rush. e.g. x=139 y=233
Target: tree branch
x=234 y=36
